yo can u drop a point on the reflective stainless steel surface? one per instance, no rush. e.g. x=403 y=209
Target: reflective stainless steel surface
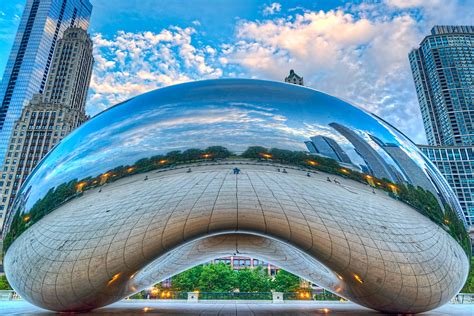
x=193 y=171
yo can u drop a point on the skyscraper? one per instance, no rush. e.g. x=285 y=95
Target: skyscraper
x=443 y=71
x=50 y=116
x=42 y=24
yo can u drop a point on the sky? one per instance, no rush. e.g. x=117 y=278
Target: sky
x=357 y=51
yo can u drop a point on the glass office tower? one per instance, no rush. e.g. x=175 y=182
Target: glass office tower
x=443 y=71
x=42 y=25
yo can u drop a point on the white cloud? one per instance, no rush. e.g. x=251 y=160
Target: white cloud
x=133 y=63
x=271 y=9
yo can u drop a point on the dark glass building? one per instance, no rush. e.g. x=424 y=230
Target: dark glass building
x=41 y=26
x=443 y=71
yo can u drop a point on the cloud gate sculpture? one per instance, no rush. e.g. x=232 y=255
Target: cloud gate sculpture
x=181 y=175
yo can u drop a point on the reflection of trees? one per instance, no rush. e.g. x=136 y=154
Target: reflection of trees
x=422 y=200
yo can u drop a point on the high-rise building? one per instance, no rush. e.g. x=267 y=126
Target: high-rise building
x=443 y=71
x=328 y=147
x=42 y=24
x=50 y=116
x=456 y=163
x=294 y=78
x=376 y=164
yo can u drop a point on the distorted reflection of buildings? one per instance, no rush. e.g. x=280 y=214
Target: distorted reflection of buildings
x=375 y=163
x=328 y=147
x=411 y=170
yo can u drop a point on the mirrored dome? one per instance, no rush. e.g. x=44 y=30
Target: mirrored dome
x=216 y=157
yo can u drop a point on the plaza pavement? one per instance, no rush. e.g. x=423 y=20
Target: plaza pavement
x=156 y=307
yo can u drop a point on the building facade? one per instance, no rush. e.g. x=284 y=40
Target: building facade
x=456 y=163
x=443 y=72
x=294 y=78
x=41 y=26
x=50 y=116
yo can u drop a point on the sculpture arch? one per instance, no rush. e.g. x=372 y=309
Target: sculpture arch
x=281 y=172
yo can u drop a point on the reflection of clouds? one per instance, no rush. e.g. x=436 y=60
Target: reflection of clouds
x=160 y=122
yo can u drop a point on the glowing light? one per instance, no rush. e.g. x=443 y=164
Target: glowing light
x=130 y=169
x=339 y=277
x=265 y=155
x=26 y=218
x=446 y=221
x=207 y=155
x=80 y=186
x=146 y=309
x=163 y=161
x=114 y=278
x=358 y=279
x=344 y=170
x=312 y=163
x=326 y=310
x=154 y=291
x=368 y=176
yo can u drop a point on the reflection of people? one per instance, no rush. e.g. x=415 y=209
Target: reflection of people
x=373 y=191
x=189 y=170
x=278 y=169
x=284 y=171
x=236 y=170
x=307 y=174
x=146 y=178
x=328 y=180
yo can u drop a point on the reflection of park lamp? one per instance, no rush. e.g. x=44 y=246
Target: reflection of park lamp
x=344 y=170
x=26 y=218
x=114 y=278
x=358 y=279
x=370 y=180
x=265 y=155
x=80 y=186
x=393 y=188
x=130 y=169
x=312 y=163
x=104 y=177
x=206 y=155
x=163 y=161
x=446 y=221
x=154 y=291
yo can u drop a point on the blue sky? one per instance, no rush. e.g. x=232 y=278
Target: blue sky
x=353 y=50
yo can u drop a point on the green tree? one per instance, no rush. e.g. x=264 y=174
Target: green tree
x=217 y=278
x=188 y=280
x=286 y=282
x=254 y=152
x=469 y=285
x=218 y=151
x=253 y=280
x=4 y=285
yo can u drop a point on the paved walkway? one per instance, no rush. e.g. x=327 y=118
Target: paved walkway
x=138 y=307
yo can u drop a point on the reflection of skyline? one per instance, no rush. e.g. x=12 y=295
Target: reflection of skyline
x=328 y=147
x=376 y=164
x=232 y=113
x=414 y=174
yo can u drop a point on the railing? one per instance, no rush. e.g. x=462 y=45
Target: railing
x=9 y=295
x=463 y=298
x=235 y=296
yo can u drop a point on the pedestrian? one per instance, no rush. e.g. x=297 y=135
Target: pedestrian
x=146 y=178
